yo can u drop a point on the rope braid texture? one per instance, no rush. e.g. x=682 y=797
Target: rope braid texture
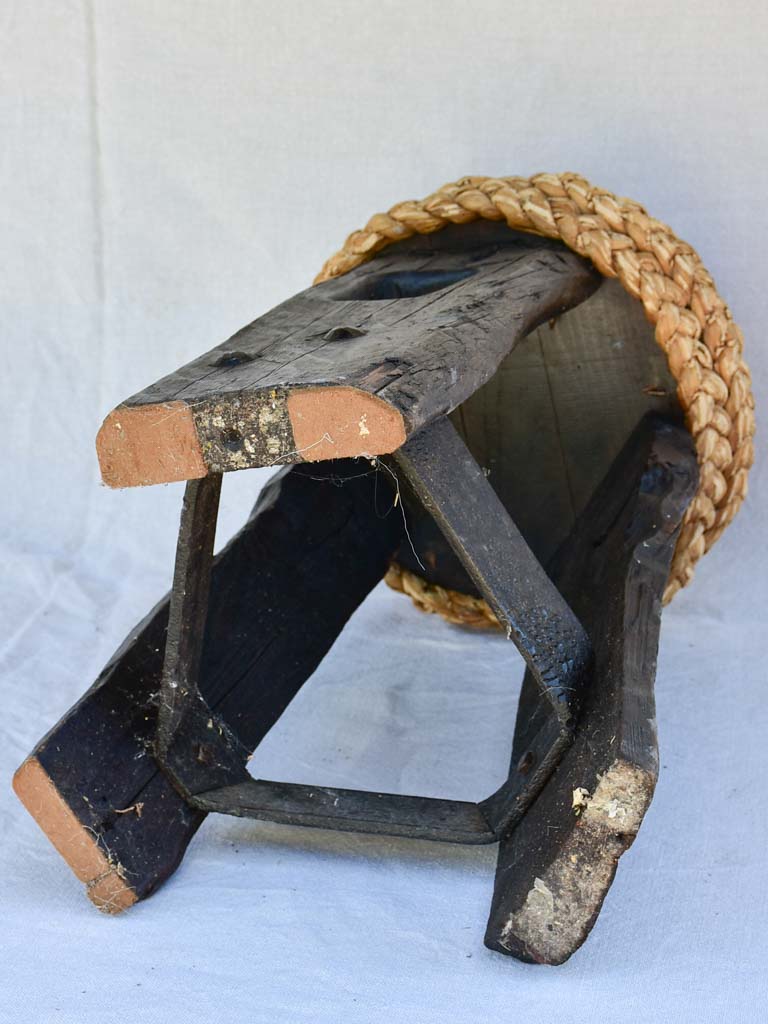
x=693 y=326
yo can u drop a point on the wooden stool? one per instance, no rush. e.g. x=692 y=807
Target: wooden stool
x=405 y=383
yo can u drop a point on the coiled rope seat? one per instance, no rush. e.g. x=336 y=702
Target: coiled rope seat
x=693 y=326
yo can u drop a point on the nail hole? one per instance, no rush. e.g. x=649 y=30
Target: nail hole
x=405 y=284
x=233 y=359
x=232 y=439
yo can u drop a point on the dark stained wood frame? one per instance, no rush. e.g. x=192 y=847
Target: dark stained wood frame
x=370 y=366
x=206 y=760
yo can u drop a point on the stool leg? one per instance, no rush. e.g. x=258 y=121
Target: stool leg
x=281 y=592
x=555 y=868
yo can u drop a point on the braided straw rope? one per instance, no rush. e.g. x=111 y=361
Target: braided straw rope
x=693 y=326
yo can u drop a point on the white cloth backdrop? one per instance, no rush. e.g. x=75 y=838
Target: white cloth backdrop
x=169 y=171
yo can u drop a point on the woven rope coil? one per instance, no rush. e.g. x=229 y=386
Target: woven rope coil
x=693 y=326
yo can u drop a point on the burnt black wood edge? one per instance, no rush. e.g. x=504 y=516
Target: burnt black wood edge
x=555 y=868
x=272 y=617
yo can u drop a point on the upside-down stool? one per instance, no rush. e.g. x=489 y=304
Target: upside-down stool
x=524 y=403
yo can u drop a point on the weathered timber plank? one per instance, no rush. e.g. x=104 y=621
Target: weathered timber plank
x=352 y=810
x=564 y=401
x=353 y=366
x=549 y=423
x=281 y=592
x=556 y=866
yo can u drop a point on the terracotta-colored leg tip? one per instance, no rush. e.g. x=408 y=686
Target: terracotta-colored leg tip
x=149 y=444
x=79 y=847
x=342 y=422
x=110 y=894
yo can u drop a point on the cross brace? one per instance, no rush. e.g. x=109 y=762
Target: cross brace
x=205 y=758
